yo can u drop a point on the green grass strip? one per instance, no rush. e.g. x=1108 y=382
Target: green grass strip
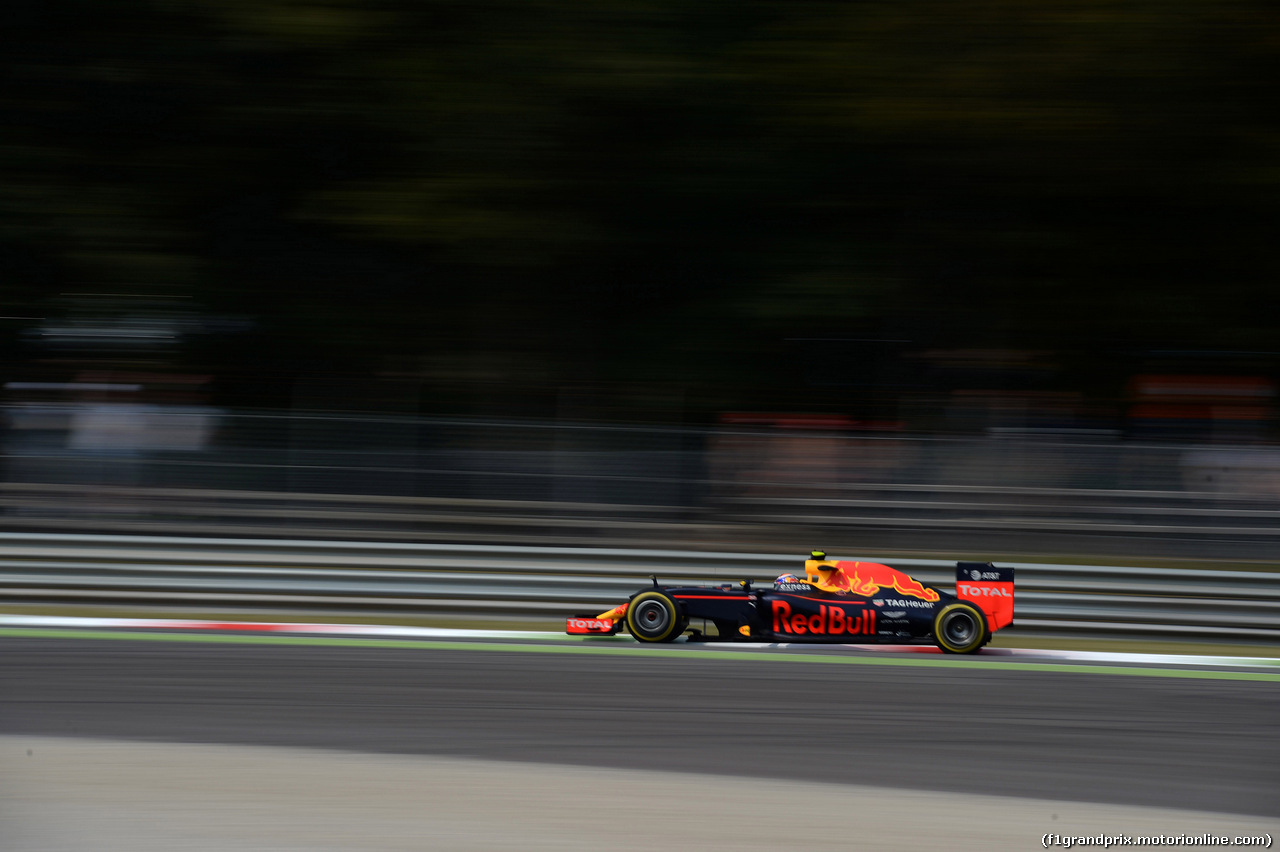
x=639 y=651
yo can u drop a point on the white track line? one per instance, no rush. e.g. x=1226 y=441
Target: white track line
x=385 y=630
x=72 y=622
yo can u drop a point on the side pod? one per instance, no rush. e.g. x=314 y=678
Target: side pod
x=988 y=588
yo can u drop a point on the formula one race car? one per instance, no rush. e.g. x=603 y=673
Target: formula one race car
x=836 y=601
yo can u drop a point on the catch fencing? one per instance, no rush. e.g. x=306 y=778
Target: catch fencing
x=195 y=471
x=401 y=579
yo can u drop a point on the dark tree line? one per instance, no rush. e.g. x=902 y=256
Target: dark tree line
x=526 y=195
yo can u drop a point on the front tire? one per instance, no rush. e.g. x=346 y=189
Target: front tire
x=654 y=617
x=960 y=628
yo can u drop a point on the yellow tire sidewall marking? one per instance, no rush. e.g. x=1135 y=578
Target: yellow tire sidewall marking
x=979 y=620
x=644 y=596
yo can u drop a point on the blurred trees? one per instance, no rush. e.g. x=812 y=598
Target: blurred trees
x=519 y=195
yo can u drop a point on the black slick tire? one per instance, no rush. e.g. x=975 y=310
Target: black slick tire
x=654 y=617
x=959 y=628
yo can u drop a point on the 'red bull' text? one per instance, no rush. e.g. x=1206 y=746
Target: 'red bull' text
x=827 y=621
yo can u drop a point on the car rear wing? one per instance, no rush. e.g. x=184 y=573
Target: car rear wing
x=988 y=588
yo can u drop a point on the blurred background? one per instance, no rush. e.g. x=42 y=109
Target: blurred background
x=907 y=277
x=322 y=310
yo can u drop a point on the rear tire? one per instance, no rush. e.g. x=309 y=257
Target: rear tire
x=654 y=617
x=959 y=628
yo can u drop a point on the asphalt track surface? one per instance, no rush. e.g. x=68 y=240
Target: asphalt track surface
x=1207 y=745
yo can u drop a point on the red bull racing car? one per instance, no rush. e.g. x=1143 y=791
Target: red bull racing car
x=836 y=601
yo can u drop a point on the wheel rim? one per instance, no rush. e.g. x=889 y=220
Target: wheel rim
x=652 y=616
x=959 y=628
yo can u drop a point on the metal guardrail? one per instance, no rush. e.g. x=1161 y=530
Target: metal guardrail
x=330 y=576
x=62 y=507
x=899 y=517
x=71 y=466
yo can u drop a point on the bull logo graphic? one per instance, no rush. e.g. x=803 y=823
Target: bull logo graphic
x=863 y=578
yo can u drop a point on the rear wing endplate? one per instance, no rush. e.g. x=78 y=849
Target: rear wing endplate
x=989 y=588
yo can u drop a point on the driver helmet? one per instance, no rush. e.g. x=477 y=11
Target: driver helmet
x=786 y=579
